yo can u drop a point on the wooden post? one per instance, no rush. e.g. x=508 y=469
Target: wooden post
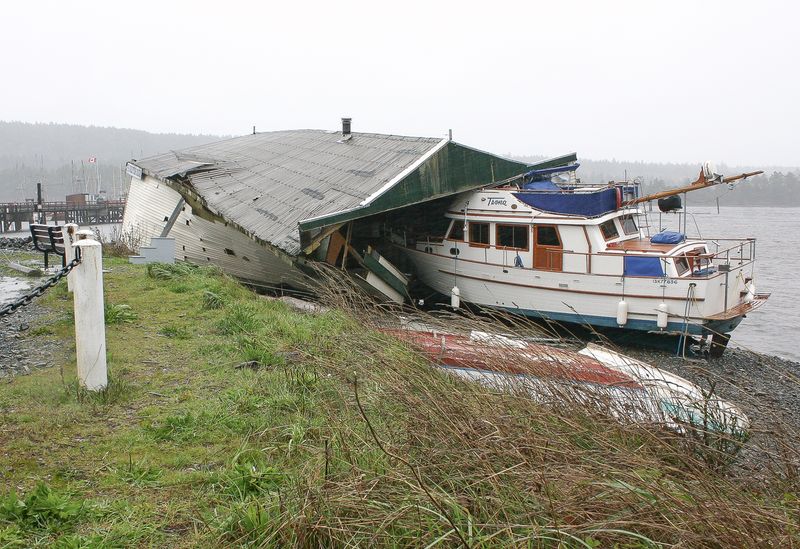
x=90 y=328
x=70 y=237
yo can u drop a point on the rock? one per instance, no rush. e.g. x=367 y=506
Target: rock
x=250 y=364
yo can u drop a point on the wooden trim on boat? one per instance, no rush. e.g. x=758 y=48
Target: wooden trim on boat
x=640 y=245
x=511 y=248
x=461 y=214
x=742 y=308
x=589 y=253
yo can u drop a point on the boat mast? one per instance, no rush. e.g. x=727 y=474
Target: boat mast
x=701 y=183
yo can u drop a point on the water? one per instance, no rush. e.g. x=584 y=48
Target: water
x=106 y=230
x=11 y=288
x=772 y=329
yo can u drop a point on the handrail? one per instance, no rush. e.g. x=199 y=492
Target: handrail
x=723 y=256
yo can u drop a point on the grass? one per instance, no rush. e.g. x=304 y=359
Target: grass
x=337 y=435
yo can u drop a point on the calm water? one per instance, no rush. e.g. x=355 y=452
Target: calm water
x=775 y=327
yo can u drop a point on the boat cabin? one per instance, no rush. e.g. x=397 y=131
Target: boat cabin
x=496 y=227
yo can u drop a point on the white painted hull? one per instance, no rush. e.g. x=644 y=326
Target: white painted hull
x=579 y=297
x=202 y=241
x=660 y=397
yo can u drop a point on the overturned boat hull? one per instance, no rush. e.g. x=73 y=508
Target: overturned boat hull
x=628 y=389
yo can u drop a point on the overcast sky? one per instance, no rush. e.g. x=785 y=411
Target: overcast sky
x=659 y=81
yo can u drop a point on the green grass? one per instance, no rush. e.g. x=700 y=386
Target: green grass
x=185 y=449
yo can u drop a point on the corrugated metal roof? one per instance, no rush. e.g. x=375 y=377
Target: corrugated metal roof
x=267 y=183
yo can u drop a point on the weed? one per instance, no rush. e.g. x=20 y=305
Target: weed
x=117 y=390
x=240 y=319
x=118 y=314
x=175 y=332
x=12 y=537
x=42 y=508
x=212 y=300
x=138 y=473
x=250 y=522
x=247 y=477
x=177 y=427
x=42 y=331
x=180 y=287
x=170 y=271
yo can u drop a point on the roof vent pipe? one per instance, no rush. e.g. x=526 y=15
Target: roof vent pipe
x=346 y=126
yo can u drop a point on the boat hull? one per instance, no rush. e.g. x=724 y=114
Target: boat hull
x=589 y=299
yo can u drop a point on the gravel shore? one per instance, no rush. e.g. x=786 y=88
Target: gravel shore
x=20 y=354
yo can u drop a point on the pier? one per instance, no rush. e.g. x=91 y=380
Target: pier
x=14 y=214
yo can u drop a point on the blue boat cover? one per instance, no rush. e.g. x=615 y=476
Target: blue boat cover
x=545 y=185
x=642 y=266
x=668 y=237
x=585 y=204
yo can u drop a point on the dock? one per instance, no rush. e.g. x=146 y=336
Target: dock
x=14 y=214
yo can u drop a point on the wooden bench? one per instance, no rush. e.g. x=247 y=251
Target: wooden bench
x=49 y=239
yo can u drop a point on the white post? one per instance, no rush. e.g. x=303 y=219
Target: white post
x=90 y=327
x=68 y=231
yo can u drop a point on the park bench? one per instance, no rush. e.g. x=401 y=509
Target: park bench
x=49 y=239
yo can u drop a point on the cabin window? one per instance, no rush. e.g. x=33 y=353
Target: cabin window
x=512 y=236
x=479 y=234
x=629 y=224
x=547 y=235
x=609 y=229
x=457 y=230
x=682 y=265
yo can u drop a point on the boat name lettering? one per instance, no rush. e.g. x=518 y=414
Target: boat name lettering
x=497 y=202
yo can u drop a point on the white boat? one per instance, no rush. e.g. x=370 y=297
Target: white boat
x=546 y=245
x=594 y=377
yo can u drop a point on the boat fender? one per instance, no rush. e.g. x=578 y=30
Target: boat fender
x=619 y=197
x=622 y=313
x=751 y=291
x=662 y=316
x=455 y=297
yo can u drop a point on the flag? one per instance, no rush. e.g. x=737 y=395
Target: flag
x=92 y=159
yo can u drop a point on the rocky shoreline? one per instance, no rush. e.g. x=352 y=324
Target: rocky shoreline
x=20 y=354
x=17 y=244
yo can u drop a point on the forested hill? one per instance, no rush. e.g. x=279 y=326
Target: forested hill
x=58 y=156
x=778 y=186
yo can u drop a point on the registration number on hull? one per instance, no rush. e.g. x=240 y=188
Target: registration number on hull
x=664 y=281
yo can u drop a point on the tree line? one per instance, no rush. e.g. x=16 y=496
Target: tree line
x=58 y=156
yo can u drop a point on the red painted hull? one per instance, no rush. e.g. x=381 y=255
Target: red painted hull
x=513 y=357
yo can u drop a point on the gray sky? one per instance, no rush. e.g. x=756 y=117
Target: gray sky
x=640 y=80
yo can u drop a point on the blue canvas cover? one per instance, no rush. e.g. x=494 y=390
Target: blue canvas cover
x=584 y=204
x=668 y=237
x=546 y=185
x=642 y=266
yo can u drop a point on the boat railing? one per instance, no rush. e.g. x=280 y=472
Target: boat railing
x=727 y=251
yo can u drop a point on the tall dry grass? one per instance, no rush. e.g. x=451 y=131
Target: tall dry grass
x=412 y=456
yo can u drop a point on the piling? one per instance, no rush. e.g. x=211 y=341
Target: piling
x=90 y=329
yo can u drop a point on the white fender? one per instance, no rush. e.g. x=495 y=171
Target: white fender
x=663 y=315
x=455 y=297
x=622 y=313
